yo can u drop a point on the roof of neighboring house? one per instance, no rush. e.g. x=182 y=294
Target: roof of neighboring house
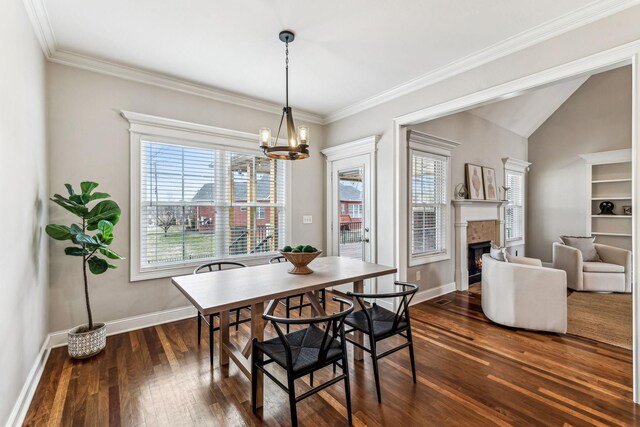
x=207 y=191
x=349 y=193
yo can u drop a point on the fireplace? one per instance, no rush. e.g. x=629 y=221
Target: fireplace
x=475 y=252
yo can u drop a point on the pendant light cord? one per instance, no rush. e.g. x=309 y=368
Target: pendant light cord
x=286 y=67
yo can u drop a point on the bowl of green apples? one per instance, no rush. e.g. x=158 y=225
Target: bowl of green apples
x=300 y=256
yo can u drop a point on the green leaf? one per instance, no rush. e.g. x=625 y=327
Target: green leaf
x=75 y=229
x=97 y=265
x=74 y=208
x=70 y=189
x=77 y=199
x=84 y=239
x=99 y=195
x=88 y=186
x=58 y=232
x=110 y=254
x=106 y=228
x=75 y=251
x=104 y=210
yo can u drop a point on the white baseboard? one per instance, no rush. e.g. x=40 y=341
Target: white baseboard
x=59 y=339
x=428 y=294
x=19 y=411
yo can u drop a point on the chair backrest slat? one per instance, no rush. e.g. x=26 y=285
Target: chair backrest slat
x=218 y=266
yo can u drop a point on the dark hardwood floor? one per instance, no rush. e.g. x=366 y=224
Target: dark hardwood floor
x=470 y=372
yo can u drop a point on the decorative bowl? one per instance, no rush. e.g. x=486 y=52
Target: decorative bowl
x=300 y=260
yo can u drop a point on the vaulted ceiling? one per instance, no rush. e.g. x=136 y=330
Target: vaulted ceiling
x=347 y=54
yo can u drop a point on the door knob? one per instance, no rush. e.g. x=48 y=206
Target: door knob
x=365 y=239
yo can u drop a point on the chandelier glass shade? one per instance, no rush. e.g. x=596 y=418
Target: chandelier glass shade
x=297 y=146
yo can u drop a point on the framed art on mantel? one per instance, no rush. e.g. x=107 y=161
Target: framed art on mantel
x=473 y=175
x=490 y=188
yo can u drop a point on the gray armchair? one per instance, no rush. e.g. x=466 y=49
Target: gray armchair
x=613 y=274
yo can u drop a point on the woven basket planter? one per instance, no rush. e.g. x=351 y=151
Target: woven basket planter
x=87 y=344
x=300 y=260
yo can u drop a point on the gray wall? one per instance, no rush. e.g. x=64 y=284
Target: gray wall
x=482 y=143
x=84 y=123
x=597 y=117
x=609 y=32
x=23 y=173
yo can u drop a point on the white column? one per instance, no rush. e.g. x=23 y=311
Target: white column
x=462 y=272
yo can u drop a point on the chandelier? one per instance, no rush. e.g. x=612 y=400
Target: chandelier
x=297 y=146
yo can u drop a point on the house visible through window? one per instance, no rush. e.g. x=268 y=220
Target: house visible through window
x=355 y=210
x=429 y=203
x=200 y=204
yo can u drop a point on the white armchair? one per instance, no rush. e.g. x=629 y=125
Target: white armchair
x=613 y=274
x=523 y=294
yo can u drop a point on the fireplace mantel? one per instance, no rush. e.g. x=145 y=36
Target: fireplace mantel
x=466 y=211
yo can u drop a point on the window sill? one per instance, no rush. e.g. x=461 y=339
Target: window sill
x=514 y=242
x=428 y=259
x=186 y=269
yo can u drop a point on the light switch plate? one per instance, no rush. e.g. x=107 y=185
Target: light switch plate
x=307 y=219
x=418 y=275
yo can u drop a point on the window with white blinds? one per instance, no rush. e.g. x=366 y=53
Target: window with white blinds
x=201 y=204
x=429 y=203
x=514 y=211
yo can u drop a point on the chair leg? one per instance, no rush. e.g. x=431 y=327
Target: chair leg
x=254 y=378
x=347 y=387
x=199 y=328
x=374 y=361
x=324 y=299
x=211 y=343
x=237 y=318
x=292 y=399
x=300 y=305
x=411 y=356
x=311 y=379
x=287 y=308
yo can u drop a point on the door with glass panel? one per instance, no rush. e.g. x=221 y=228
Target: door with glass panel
x=351 y=210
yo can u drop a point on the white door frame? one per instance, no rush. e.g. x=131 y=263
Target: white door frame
x=613 y=58
x=363 y=146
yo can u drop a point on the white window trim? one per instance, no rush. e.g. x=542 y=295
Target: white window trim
x=160 y=129
x=520 y=167
x=430 y=144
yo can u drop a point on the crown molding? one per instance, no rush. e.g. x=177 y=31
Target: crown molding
x=365 y=145
x=587 y=14
x=102 y=66
x=41 y=25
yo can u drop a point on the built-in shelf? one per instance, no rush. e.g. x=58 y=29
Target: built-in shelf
x=606 y=181
x=610 y=234
x=609 y=173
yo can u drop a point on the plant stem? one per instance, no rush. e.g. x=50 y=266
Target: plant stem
x=86 y=282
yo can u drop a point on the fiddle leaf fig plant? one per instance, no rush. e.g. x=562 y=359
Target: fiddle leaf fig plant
x=92 y=248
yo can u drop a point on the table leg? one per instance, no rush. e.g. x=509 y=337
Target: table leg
x=358 y=287
x=315 y=303
x=224 y=338
x=257 y=331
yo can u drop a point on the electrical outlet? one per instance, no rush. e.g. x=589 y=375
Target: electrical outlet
x=418 y=275
x=307 y=219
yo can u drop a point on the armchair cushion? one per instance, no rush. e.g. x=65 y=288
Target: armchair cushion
x=601 y=267
x=585 y=245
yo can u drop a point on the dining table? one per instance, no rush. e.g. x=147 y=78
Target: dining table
x=223 y=291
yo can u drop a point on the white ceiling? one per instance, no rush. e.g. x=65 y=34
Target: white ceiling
x=345 y=51
x=524 y=114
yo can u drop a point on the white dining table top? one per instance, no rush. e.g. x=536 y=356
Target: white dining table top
x=238 y=287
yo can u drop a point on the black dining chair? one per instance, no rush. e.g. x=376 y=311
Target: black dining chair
x=302 y=353
x=300 y=297
x=206 y=268
x=379 y=324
